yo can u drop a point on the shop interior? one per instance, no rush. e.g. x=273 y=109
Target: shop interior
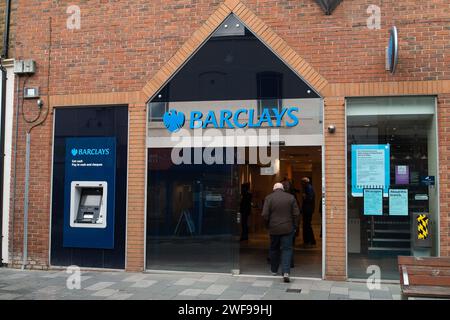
x=193 y=221
x=379 y=239
x=295 y=163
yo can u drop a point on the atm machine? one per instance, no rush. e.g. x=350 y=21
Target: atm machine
x=89 y=191
x=88 y=204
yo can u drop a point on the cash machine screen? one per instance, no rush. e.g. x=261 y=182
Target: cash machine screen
x=91 y=200
x=90 y=203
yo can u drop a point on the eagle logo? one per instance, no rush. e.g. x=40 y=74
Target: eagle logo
x=174 y=120
x=74 y=152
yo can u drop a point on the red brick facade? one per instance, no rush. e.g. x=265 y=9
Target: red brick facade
x=126 y=50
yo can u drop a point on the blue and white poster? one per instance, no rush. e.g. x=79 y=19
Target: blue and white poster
x=370 y=168
x=373 y=202
x=398 y=202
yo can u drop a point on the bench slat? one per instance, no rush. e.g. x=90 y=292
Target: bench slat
x=426 y=291
x=428 y=280
x=436 y=271
x=424 y=261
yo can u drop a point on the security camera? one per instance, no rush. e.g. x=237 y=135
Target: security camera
x=332 y=128
x=40 y=103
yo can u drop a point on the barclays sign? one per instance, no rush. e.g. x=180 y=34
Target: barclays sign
x=174 y=120
x=89 y=152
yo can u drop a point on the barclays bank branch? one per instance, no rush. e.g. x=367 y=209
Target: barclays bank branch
x=153 y=180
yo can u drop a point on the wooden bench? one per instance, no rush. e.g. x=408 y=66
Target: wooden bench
x=427 y=277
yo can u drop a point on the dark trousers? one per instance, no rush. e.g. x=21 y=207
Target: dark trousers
x=281 y=251
x=244 y=234
x=308 y=234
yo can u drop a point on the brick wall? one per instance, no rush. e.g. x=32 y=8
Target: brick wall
x=122 y=44
x=335 y=185
x=125 y=46
x=136 y=183
x=444 y=171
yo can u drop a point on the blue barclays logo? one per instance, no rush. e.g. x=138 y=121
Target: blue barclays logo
x=90 y=152
x=175 y=120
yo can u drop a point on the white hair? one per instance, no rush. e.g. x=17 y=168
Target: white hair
x=278 y=186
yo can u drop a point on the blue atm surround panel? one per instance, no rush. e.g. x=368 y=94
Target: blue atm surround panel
x=90 y=159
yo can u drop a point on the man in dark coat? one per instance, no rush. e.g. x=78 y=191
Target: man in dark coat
x=281 y=214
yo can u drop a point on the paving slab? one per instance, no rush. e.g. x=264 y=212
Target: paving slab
x=262 y=283
x=185 y=282
x=191 y=292
x=252 y=297
x=339 y=290
x=143 y=283
x=105 y=292
x=359 y=295
x=99 y=286
x=136 y=277
x=216 y=289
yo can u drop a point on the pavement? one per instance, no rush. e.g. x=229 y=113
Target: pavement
x=16 y=284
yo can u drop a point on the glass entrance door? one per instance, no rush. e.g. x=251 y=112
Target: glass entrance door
x=192 y=215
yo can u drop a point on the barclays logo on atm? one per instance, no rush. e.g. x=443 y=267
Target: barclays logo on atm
x=90 y=152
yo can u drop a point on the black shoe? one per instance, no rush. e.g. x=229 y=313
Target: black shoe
x=286 y=277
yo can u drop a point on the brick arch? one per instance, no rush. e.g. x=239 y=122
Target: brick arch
x=274 y=42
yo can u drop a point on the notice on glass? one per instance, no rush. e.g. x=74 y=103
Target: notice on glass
x=373 y=202
x=398 y=202
x=370 y=168
x=401 y=175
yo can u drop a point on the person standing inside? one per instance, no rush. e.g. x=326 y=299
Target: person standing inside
x=245 y=209
x=289 y=188
x=281 y=214
x=308 y=206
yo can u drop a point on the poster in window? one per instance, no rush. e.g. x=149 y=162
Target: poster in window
x=398 y=202
x=401 y=175
x=370 y=168
x=373 y=202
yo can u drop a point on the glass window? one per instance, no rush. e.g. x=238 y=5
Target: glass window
x=269 y=91
x=392 y=179
x=157 y=110
x=191 y=215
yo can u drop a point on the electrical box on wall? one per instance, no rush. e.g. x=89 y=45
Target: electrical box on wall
x=25 y=66
x=31 y=93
